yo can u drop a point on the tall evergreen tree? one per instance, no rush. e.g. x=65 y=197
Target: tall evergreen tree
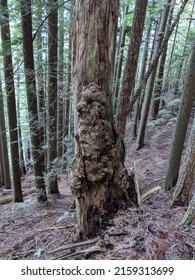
x=52 y=95
x=11 y=101
x=4 y=146
x=32 y=100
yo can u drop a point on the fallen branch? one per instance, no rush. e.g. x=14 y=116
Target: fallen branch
x=149 y=193
x=137 y=188
x=74 y=245
x=190 y=245
x=87 y=252
x=9 y=198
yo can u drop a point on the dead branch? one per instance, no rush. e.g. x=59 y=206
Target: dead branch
x=74 y=245
x=86 y=252
x=9 y=198
x=192 y=246
x=149 y=193
x=137 y=188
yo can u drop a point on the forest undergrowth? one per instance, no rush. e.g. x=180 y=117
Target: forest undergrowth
x=48 y=231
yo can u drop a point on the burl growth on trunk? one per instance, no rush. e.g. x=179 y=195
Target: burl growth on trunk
x=100 y=181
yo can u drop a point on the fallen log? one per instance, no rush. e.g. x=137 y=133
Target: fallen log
x=9 y=198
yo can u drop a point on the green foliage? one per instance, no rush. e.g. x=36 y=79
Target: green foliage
x=174 y=102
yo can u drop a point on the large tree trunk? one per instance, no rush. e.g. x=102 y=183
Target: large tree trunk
x=32 y=100
x=100 y=181
x=181 y=126
x=11 y=101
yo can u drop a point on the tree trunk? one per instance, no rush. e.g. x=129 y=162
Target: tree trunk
x=160 y=77
x=184 y=186
x=60 y=84
x=2 y=170
x=150 y=83
x=21 y=154
x=11 y=101
x=181 y=126
x=120 y=59
x=100 y=181
x=141 y=75
x=68 y=91
x=5 y=156
x=189 y=216
x=32 y=100
x=41 y=100
x=156 y=58
x=52 y=96
x=183 y=55
x=131 y=66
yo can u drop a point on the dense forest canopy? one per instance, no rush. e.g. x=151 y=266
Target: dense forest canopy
x=84 y=85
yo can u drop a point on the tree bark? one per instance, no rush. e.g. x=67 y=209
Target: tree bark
x=52 y=96
x=11 y=101
x=189 y=216
x=141 y=75
x=60 y=84
x=120 y=59
x=181 y=126
x=4 y=146
x=32 y=100
x=100 y=181
x=131 y=66
x=184 y=186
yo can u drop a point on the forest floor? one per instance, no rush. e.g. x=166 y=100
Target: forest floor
x=32 y=231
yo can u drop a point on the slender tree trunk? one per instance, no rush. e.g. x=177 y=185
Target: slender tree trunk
x=60 y=84
x=32 y=99
x=150 y=84
x=168 y=73
x=100 y=181
x=11 y=101
x=141 y=75
x=52 y=96
x=183 y=55
x=160 y=77
x=68 y=92
x=120 y=59
x=184 y=186
x=181 y=126
x=131 y=66
x=4 y=146
x=41 y=92
x=21 y=154
x=2 y=170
